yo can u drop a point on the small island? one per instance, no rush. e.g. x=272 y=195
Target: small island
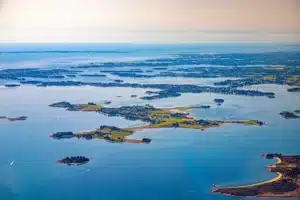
x=289 y=115
x=107 y=102
x=74 y=160
x=12 y=85
x=205 y=106
x=285 y=184
x=71 y=75
x=219 y=101
x=92 y=75
x=165 y=90
x=12 y=119
x=118 y=81
x=294 y=89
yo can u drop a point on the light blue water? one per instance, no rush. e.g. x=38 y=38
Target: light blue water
x=178 y=164
x=62 y=55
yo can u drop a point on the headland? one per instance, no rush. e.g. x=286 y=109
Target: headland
x=285 y=184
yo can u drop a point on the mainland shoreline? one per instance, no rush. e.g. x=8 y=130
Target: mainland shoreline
x=285 y=184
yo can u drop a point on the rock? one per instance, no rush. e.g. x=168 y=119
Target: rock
x=146 y=140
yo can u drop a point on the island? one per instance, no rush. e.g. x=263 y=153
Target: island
x=12 y=119
x=92 y=75
x=12 y=85
x=74 y=160
x=71 y=75
x=285 y=184
x=165 y=90
x=274 y=68
x=228 y=60
x=205 y=106
x=118 y=81
x=154 y=117
x=108 y=133
x=289 y=115
x=219 y=101
x=22 y=74
x=294 y=89
x=281 y=71
x=159 y=68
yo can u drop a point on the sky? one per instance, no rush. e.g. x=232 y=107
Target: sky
x=150 y=21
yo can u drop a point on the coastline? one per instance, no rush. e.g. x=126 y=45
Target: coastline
x=179 y=163
x=286 y=179
x=276 y=178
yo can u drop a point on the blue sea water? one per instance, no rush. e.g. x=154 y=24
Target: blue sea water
x=62 y=55
x=178 y=164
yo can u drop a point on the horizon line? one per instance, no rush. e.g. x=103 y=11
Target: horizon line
x=154 y=43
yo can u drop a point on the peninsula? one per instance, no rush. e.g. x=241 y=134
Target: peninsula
x=285 y=184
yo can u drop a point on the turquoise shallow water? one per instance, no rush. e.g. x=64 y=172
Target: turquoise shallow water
x=178 y=164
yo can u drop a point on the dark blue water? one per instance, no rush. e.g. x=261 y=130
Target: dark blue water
x=178 y=164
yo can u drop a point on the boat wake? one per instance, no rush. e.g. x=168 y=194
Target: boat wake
x=11 y=164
